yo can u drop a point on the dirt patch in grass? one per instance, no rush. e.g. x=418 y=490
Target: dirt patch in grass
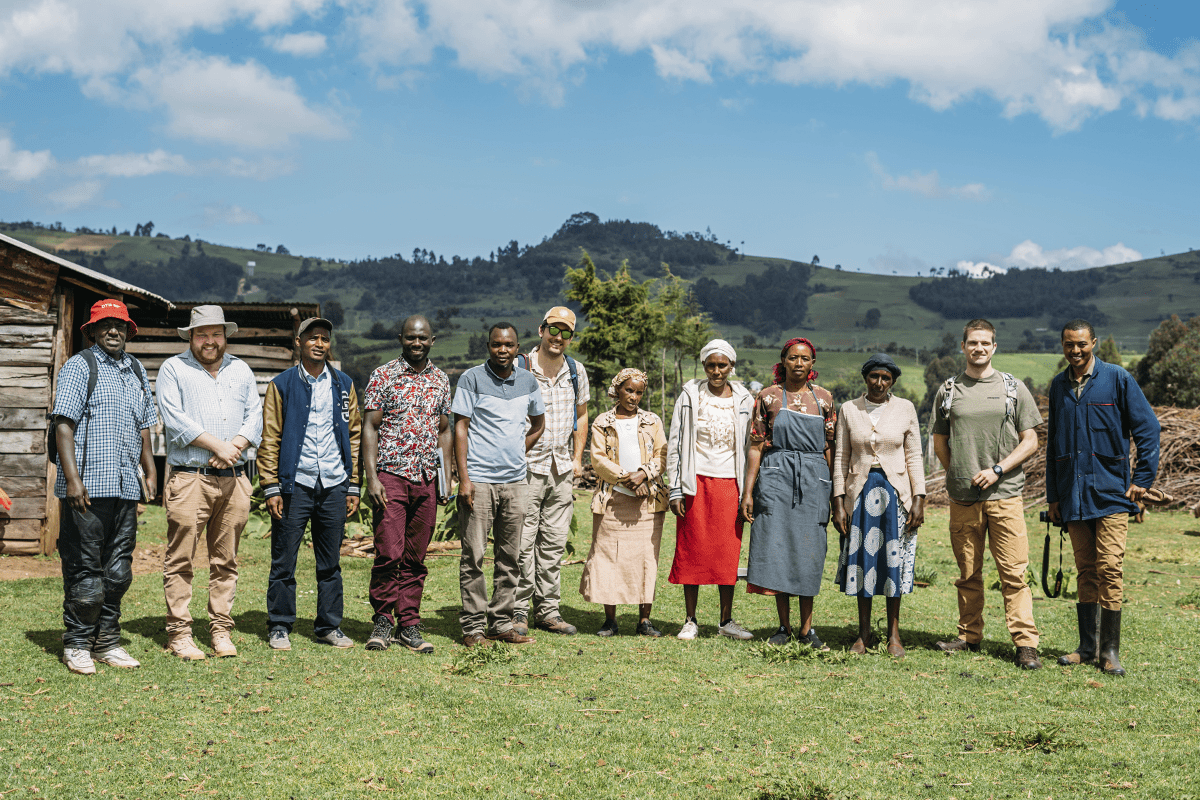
x=88 y=243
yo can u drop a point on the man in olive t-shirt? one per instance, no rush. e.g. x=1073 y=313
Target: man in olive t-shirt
x=982 y=443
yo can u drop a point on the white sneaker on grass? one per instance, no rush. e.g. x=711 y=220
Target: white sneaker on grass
x=734 y=631
x=690 y=630
x=116 y=657
x=336 y=638
x=78 y=661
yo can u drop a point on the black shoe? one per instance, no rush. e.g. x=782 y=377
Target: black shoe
x=410 y=637
x=381 y=636
x=956 y=645
x=1110 y=642
x=812 y=640
x=781 y=636
x=646 y=628
x=1027 y=658
x=1088 y=615
x=609 y=628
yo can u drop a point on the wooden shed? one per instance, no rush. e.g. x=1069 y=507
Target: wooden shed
x=43 y=300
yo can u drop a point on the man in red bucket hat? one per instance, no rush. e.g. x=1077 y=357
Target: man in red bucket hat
x=103 y=412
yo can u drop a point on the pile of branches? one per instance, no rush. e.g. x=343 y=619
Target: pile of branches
x=1178 y=462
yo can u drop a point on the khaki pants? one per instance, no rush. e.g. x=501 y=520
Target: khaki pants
x=544 y=539
x=500 y=508
x=1099 y=546
x=220 y=507
x=1003 y=523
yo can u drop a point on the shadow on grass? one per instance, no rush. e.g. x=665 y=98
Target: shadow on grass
x=49 y=641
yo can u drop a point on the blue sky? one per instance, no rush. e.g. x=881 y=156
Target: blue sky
x=884 y=135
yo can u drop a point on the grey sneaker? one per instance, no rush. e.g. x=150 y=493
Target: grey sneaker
x=336 y=638
x=780 y=637
x=690 y=630
x=381 y=636
x=734 y=631
x=278 y=639
x=116 y=657
x=79 y=661
x=410 y=637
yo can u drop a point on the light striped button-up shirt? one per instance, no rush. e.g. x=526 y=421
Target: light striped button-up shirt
x=191 y=402
x=320 y=457
x=555 y=446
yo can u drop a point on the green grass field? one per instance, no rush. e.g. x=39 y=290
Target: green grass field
x=585 y=717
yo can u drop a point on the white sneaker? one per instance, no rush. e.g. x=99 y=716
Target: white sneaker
x=78 y=661
x=690 y=630
x=734 y=631
x=117 y=657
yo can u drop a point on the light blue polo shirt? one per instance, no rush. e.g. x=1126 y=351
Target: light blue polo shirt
x=498 y=408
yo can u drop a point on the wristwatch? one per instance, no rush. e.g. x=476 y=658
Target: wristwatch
x=996 y=468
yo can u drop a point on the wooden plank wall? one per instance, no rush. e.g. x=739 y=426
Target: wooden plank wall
x=27 y=339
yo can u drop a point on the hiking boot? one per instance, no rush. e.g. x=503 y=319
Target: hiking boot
x=475 y=640
x=183 y=647
x=556 y=624
x=222 y=645
x=521 y=624
x=609 y=628
x=336 y=638
x=1088 y=615
x=381 y=636
x=278 y=639
x=780 y=637
x=812 y=640
x=1027 y=658
x=509 y=637
x=78 y=661
x=957 y=645
x=690 y=630
x=646 y=628
x=410 y=637
x=1110 y=642
x=734 y=631
x=116 y=657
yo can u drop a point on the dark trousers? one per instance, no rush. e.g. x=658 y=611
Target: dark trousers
x=324 y=509
x=402 y=534
x=96 y=548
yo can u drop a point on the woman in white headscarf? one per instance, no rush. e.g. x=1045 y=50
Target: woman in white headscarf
x=706 y=459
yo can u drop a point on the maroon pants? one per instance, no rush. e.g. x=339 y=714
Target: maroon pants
x=402 y=534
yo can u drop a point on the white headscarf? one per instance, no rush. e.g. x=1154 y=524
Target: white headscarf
x=718 y=346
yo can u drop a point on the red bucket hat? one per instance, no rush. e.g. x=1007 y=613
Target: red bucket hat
x=111 y=309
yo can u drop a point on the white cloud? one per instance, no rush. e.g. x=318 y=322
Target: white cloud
x=21 y=166
x=1031 y=255
x=76 y=194
x=301 y=45
x=223 y=214
x=926 y=184
x=135 y=165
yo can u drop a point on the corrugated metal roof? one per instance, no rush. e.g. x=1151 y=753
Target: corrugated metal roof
x=108 y=280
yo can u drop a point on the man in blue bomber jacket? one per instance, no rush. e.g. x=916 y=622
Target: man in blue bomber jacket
x=308 y=466
x=1095 y=408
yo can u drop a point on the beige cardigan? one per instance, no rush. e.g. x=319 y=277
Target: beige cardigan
x=898 y=450
x=607 y=462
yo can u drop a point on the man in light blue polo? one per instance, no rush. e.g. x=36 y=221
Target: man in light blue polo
x=491 y=406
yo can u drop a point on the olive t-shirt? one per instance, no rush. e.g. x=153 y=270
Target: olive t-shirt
x=980 y=436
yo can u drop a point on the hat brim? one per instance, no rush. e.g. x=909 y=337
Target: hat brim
x=186 y=333
x=132 y=326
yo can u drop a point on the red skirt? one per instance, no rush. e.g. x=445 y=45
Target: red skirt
x=708 y=539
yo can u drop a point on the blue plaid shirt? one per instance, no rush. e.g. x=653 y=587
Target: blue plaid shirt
x=122 y=406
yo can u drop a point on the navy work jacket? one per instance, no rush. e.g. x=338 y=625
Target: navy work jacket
x=1087 y=444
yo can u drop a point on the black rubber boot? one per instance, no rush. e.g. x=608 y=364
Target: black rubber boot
x=1089 y=620
x=1110 y=642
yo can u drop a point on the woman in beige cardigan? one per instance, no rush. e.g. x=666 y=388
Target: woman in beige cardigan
x=879 y=476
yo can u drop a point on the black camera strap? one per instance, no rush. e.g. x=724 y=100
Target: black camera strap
x=1058 y=578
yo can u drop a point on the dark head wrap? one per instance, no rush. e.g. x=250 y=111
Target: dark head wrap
x=812 y=373
x=881 y=361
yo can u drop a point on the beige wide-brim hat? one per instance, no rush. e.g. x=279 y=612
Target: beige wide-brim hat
x=207 y=315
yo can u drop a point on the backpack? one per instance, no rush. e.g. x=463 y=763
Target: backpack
x=1010 y=396
x=523 y=363
x=93 y=376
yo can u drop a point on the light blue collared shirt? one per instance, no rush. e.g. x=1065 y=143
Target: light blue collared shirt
x=191 y=402
x=320 y=457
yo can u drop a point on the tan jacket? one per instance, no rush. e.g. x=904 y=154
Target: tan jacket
x=606 y=461
x=897 y=448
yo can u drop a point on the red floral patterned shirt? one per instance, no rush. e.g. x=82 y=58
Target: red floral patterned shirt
x=412 y=403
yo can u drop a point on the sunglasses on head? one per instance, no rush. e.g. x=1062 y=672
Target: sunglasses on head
x=555 y=330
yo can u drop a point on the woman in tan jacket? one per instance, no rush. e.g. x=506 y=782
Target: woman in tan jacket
x=629 y=453
x=879 y=476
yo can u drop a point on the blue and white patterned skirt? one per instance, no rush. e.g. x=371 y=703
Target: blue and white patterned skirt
x=878 y=554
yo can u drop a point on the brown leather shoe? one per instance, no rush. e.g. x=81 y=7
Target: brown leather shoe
x=956 y=645
x=521 y=624
x=475 y=640
x=1027 y=658
x=556 y=624
x=510 y=636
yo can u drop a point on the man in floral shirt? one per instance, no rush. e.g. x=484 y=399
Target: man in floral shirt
x=407 y=421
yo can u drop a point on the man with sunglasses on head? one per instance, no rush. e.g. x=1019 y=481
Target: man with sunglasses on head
x=983 y=431
x=553 y=463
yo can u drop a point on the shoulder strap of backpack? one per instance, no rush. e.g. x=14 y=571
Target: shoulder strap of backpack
x=522 y=361
x=93 y=376
x=947 y=392
x=571 y=365
x=1010 y=396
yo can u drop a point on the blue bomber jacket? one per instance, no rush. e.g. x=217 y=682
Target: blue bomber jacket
x=285 y=421
x=1087 y=443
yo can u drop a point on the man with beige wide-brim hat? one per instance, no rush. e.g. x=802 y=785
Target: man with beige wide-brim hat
x=211 y=412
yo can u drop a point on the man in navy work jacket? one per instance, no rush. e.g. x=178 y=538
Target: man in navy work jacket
x=308 y=467
x=1094 y=410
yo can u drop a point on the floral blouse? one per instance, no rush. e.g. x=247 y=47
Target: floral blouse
x=812 y=400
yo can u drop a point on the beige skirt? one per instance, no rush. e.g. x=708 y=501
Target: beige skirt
x=622 y=566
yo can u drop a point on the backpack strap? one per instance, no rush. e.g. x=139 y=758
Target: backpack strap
x=1010 y=397
x=947 y=392
x=522 y=361
x=573 y=367
x=93 y=376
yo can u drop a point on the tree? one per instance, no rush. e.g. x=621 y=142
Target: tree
x=1109 y=352
x=872 y=318
x=1175 y=379
x=816 y=260
x=283 y=251
x=148 y=229
x=334 y=312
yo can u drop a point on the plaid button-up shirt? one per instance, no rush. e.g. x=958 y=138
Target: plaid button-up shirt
x=556 y=443
x=121 y=407
x=193 y=402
